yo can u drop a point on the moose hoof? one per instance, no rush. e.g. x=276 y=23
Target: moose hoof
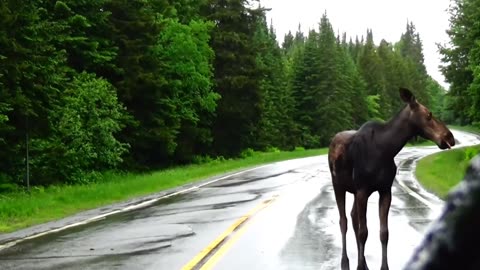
x=345 y=264
x=362 y=267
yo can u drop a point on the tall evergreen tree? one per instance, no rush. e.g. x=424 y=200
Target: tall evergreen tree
x=295 y=76
x=164 y=79
x=276 y=122
x=463 y=60
x=474 y=63
x=288 y=41
x=370 y=67
x=236 y=74
x=410 y=47
x=436 y=93
x=32 y=71
x=333 y=93
x=353 y=85
x=305 y=84
x=135 y=31
x=394 y=69
x=456 y=68
x=84 y=34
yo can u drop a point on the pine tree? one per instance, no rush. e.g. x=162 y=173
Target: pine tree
x=84 y=34
x=305 y=84
x=236 y=75
x=370 y=67
x=333 y=93
x=456 y=60
x=410 y=47
x=32 y=71
x=395 y=74
x=288 y=41
x=276 y=122
x=353 y=86
x=294 y=69
x=471 y=11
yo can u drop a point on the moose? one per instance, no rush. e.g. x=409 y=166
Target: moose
x=362 y=162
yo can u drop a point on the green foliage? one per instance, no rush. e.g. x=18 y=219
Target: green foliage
x=32 y=71
x=437 y=98
x=471 y=153
x=7 y=185
x=201 y=159
x=373 y=106
x=83 y=127
x=185 y=56
x=191 y=81
x=55 y=202
x=442 y=171
x=237 y=77
x=461 y=60
x=410 y=48
x=247 y=153
x=275 y=126
x=272 y=150
x=83 y=35
x=165 y=80
x=372 y=70
x=4 y=108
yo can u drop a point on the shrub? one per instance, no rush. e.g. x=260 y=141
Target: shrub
x=272 y=149
x=471 y=152
x=83 y=142
x=247 y=153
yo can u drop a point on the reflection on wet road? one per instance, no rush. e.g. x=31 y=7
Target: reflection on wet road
x=297 y=230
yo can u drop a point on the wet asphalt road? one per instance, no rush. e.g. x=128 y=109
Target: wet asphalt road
x=285 y=212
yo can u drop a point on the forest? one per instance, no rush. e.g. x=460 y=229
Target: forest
x=139 y=85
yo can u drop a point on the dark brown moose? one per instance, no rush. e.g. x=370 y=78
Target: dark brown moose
x=362 y=162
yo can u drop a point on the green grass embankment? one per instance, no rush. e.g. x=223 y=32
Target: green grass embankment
x=440 y=172
x=21 y=210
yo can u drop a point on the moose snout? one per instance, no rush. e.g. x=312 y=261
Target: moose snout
x=448 y=141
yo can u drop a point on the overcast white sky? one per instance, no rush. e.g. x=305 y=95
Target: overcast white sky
x=387 y=19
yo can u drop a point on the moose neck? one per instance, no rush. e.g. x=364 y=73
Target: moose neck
x=398 y=131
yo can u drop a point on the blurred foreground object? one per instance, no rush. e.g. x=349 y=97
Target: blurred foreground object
x=453 y=240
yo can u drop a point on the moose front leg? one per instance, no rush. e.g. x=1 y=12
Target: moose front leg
x=384 y=207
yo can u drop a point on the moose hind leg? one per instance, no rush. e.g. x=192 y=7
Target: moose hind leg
x=354 y=216
x=340 y=198
x=361 y=198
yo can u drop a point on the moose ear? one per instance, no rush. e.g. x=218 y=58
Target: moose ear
x=407 y=96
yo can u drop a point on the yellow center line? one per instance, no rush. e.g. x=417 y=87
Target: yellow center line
x=215 y=243
x=232 y=240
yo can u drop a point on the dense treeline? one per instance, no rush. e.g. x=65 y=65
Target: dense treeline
x=90 y=86
x=461 y=58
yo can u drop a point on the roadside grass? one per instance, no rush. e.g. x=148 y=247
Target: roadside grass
x=21 y=210
x=442 y=171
